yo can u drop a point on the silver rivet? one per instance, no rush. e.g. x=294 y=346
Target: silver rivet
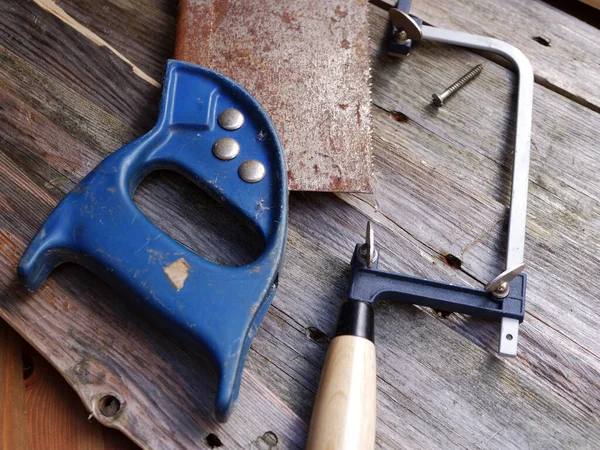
x=226 y=148
x=252 y=171
x=231 y=119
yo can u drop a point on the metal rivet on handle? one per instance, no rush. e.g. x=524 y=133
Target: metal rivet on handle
x=226 y=148
x=231 y=119
x=252 y=171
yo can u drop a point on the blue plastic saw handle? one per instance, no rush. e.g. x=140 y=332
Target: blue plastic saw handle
x=98 y=225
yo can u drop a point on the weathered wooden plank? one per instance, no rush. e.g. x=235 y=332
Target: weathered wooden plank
x=439 y=386
x=74 y=59
x=143 y=31
x=56 y=418
x=473 y=165
x=566 y=58
x=38 y=409
x=13 y=419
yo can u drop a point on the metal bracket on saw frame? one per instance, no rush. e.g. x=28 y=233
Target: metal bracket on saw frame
x=367 y=284
x=405 y=29
x=411 y=29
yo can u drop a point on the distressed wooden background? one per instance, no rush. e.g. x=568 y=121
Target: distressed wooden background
x=79 y=80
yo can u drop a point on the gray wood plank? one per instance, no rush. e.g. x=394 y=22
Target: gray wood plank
x=70 y=56
x=570 y=65
x=142 y=30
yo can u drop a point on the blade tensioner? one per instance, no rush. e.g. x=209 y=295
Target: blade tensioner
x=214 y=308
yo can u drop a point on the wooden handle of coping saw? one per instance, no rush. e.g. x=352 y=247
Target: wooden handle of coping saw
x=343 y=416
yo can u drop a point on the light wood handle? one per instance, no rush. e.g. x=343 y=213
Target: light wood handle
x=344 y=412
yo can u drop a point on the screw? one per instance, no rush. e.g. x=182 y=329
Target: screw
x=501 y=291
x=438 y=100
x=401 y=36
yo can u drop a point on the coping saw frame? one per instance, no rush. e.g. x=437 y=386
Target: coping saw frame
x=409 y=30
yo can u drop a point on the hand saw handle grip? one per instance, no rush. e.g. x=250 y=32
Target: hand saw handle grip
x=344 y=412
x=211 y=308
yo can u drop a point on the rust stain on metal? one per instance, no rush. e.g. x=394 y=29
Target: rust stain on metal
x=307 y=63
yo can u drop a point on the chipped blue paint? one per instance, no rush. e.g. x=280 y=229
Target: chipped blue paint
x=98 y=225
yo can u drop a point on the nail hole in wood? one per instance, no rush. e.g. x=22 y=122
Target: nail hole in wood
x=27 y=366
x=399 y=117
x=542 y=40
x=317 y=335
x=270 y=439
x=213 y=441
x=451 y=261
x=109 y=406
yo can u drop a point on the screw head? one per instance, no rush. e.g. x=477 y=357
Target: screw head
x=401 y=36
x=501 y=291
x=231 y=119
x=226 y=148
x=437 y=100
x=252 y=171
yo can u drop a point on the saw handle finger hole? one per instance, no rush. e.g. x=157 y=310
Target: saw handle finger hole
x=198 y=287
x=197 y=221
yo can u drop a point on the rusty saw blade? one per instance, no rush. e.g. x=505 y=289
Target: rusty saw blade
x=307 y=63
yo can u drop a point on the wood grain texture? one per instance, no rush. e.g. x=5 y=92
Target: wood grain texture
x=343 y=415
x=307 y=64
x=13 y=419
x=442 y=188
x=567 y=57
x=55 y=415
x=39 y=410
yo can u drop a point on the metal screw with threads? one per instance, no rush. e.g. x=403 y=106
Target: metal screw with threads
x=438 y=100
